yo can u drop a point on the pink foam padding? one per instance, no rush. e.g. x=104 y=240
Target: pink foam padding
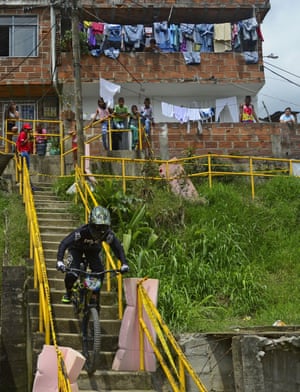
x=129 y=331
x=74 y=387
x=46 y=375
x=182 y=186
x=74 y=362
x=130 y=289
x=127 y=357
x=129 y=360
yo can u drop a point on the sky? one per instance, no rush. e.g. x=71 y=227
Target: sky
x=281 y=32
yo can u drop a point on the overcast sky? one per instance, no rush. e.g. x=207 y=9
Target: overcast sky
x=281 y=31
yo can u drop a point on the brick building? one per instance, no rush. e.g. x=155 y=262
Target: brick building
x=37 y=66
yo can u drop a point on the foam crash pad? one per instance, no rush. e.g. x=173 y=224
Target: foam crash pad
x=46 y=378
x=127 y=357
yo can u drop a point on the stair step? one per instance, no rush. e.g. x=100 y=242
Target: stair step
x=114 y=380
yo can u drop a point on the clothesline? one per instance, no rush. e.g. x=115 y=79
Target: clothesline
x=185 y=114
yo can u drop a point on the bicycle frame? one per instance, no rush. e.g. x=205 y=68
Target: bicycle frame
x=86 y=302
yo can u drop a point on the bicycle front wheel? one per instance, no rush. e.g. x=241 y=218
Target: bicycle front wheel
x=91 y=339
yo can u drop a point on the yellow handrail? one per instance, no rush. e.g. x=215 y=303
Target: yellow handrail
x=204 y=166
x=46 y=324
x=168 y=345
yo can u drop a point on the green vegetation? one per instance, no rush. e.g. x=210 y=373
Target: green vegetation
x=227 y=263
x=14 y=241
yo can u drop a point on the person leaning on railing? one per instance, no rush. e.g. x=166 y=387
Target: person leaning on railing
x=11 y=116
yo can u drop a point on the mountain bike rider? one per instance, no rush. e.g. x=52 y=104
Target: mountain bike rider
x=86 y=240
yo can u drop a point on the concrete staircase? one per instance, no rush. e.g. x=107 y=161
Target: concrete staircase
x=55 y=221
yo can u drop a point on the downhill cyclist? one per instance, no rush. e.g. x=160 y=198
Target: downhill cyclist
x=86 y=240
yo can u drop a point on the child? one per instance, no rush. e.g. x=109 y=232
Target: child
x=134 y=124
x=120 y=115
x=147 y=116
x=102 y=113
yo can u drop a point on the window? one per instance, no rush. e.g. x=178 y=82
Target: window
x=18 y=36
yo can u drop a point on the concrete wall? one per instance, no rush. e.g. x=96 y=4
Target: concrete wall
x=247 y=362
x=13 y=361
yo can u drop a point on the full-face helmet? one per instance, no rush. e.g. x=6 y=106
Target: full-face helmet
x=99 y=221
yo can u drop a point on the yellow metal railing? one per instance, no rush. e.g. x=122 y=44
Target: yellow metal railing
x=84 y=192
x=46 y=324
x=208 y=167
x=169 y=354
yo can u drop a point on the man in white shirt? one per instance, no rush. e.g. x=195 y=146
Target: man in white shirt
x=287 y=117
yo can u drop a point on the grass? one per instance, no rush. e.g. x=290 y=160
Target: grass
x=232 y=262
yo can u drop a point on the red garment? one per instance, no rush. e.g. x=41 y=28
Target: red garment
x=21 y=146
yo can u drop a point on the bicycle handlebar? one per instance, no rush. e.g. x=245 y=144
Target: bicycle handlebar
x=81 y=271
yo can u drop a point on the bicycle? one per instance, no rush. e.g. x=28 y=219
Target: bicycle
x=86 y=301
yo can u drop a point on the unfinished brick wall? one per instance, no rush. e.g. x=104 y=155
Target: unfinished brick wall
x=222 y=68
x=270 y=140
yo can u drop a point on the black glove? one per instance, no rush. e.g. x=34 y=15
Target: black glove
x=124 y=269
x=60 y=266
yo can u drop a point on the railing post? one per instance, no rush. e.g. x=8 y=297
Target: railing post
x=251 y=177
x=209 y=170
x=141 y=332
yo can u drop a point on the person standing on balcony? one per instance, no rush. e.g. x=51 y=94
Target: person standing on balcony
x=247 y=112
x=11 y=116
x=24 y=145
x=102 y=113
x=147 y=116
x=287 y=117
x=134 y=125
x=120 y=117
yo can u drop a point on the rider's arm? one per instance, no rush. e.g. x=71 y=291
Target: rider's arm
x=116 y=246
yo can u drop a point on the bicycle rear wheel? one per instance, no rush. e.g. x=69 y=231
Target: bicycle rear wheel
x=91 y=339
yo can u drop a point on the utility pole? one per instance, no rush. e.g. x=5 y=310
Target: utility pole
x=77 y=80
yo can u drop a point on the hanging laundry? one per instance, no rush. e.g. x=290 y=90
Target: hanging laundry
x=193 y=114
x=191 y=58
x=162 y=36
x=222 y=37
x=113 y=33
x=231 y=104
x=167 y=109
x=133 y=36
x=180 y=113
x=203 y=35
x=108 y=90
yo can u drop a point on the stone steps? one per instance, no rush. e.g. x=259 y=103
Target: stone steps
x=55 y=222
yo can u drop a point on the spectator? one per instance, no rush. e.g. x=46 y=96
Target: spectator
x=40 y=139
x=152 y=48
x=287 y=117
x=120 y=115
x=147 y=116
x=134 y=125
x=24 y=145
x=102 y=113
x=247 y=112
x=11 y=116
